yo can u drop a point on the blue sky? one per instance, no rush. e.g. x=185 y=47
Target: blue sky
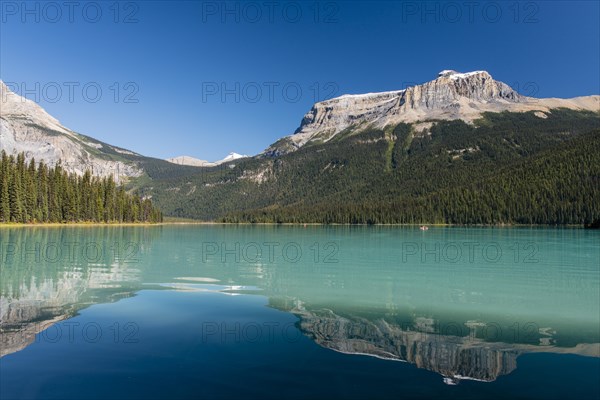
x=206 y=78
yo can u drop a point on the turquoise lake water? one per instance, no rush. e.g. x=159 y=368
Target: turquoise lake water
x=299 y=312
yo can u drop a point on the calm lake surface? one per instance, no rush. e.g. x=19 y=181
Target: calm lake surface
x=299 y=312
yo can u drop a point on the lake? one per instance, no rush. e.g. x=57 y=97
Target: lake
x=219 y=311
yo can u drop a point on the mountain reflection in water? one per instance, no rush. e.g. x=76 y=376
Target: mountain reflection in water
x=454 y=357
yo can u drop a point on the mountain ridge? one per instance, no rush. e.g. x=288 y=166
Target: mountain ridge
x=452 y=95
x=196 y=162
x=26 y=127
x=425 y=154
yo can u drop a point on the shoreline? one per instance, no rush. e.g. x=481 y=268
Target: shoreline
x=73 y=224
x=186 y=223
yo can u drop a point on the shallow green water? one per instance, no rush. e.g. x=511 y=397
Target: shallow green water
x=292 y=311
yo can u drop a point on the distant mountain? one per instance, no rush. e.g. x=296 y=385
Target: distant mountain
x=195 y=162
x=462 y=148
x=191 y=161
x=230 y=157
x=451 y=96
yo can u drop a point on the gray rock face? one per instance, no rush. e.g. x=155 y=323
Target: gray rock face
x=452 y=95
x=27 y=127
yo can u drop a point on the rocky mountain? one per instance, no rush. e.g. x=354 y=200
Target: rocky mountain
x=462 y=148
x=27 y=127
x=451 y=96
x=230 y=157
x=524 y=167
x=191 y=161
x=195 y=162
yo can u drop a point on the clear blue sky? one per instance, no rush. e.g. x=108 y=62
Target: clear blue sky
x=178 y=56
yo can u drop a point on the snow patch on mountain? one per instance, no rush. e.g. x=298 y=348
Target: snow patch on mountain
x=230 y=157
x=190 y=161
x=196 y=162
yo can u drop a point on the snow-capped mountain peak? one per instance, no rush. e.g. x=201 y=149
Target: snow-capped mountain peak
x=230 y=157
x=195 y=162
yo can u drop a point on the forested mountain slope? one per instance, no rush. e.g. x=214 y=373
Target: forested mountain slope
x=521 y=167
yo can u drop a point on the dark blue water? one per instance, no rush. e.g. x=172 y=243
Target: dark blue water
x=174 y=325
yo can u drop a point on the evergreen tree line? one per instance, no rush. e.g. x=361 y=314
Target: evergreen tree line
x=31 y=192
x=559 y=186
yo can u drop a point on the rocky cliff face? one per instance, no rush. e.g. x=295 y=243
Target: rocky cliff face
x=452 y=95
x=27 y=127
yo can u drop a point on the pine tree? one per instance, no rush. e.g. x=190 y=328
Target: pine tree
x=4 y=191
x=43 y=194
